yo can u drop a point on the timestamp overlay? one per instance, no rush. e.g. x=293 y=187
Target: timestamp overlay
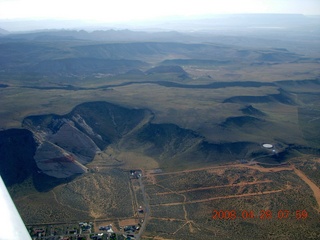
x=263 y=214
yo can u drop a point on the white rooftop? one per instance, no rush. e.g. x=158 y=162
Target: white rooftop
x=267 y=145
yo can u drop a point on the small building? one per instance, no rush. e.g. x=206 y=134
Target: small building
x=131 y=228
x=136 y=174
x=106 y=228
x=140 y=210
x=267 y=145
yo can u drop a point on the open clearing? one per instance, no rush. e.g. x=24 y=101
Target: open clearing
x=128 y=222
x=181 y=202
x=205 y=188
x=226 y=197
x=246 y=187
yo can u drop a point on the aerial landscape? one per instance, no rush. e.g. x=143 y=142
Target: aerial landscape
x=187 y=127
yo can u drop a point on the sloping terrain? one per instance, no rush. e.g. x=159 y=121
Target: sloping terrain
x=191 y=117
x=250 y=110
x=282 y=97
x=242 y=121
x=67 y=143
x=227 y=129
x=86 y=66
x=175 y=147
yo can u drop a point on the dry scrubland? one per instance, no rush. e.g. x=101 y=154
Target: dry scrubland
x=225 y=102
x=100 y=195
x=201 y=110
x=294 y=71
x=182 y=204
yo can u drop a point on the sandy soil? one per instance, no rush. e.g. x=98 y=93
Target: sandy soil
x=221 y=186
x=314 y=188
x=224 y=197
x=127 y=222
x=251 y=166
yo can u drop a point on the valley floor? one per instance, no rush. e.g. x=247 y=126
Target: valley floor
x=197 y=203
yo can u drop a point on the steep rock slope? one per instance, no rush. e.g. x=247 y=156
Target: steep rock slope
x=67 y=143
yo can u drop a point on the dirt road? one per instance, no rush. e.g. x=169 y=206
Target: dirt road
x=314 y=187
x=251 y=166
x=224 y=197
x=146 y=210
x=212 y=187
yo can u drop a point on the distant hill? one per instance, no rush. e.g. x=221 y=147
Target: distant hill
x=86 y=66
x=100 y=35
x=54 y=57
x=168 y=69
x=200 y=62
x=72 y=140
x=241 y=121
x=250 y=110
x=176 y=23
x=282 y=97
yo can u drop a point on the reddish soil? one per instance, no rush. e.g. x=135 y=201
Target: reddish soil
x=314 y=187
x=251 y=166
x=127 y=222
x=220 y=186
x=224 y=197
x=68 y=158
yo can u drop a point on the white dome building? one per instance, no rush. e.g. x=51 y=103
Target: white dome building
x=267 y=145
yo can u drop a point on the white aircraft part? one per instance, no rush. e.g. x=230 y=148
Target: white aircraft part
x=12 y=226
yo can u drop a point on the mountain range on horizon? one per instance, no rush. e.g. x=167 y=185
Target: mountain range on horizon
x=193 y=23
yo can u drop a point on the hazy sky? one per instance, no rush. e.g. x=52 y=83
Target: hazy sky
x=124 y=10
